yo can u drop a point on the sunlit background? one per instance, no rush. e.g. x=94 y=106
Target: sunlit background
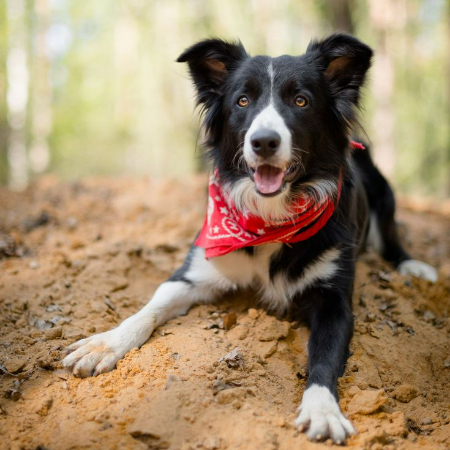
x=92 y=87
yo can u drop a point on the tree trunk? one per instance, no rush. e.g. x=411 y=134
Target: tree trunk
x=381 y=16
x=17 y=94
x=340 y=16
x=4 y=126
x=41 y=110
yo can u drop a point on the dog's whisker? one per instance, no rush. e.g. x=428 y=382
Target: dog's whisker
x=299 y=149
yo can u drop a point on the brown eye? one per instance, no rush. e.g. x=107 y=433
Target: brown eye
x=243 y=101
x=301 y=101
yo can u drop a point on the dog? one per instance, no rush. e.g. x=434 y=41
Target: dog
x=292 y=202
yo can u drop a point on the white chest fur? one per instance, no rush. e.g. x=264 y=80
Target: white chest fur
x=245 y=270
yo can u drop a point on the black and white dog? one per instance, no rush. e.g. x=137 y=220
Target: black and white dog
x=278 y=130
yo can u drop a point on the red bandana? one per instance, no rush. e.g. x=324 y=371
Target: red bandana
x=225 y=229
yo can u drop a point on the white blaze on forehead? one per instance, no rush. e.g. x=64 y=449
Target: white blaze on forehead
x=271 y=77
x=269 y=119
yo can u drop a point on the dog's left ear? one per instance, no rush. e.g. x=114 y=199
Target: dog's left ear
x=344 y=61
x=210 y=62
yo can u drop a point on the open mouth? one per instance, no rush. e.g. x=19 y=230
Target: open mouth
x=271 y=180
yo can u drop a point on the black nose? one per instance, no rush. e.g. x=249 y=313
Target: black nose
x=265 y=142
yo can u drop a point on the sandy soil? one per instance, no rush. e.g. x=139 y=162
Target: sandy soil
x=79 y=258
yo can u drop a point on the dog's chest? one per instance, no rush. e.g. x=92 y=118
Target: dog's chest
x=246 y=269
x=253 y=270
x=276 y=289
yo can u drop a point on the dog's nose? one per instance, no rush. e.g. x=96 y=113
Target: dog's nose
x=265 y=142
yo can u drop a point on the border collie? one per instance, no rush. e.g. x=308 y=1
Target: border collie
x=292 y=201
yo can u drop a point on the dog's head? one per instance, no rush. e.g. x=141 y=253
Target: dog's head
x=278 y=126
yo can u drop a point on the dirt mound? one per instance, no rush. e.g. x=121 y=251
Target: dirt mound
x=79 y=258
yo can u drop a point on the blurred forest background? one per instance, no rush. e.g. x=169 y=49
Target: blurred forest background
x=91 y=87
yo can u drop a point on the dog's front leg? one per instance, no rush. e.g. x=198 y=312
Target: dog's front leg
x=331 y=322
x=197 y=280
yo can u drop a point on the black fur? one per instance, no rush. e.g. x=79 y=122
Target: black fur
x=330 y=74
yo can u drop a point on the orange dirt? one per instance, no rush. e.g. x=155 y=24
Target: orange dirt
x=79 y=258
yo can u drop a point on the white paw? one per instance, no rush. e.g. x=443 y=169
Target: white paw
x=96 y=354
x=319 y=415
x=418 y=269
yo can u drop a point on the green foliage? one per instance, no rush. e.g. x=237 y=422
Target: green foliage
x=121 y=105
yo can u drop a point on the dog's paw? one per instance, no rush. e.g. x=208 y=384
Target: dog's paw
x=418 y=269
x=320 y=417
x=96 y=354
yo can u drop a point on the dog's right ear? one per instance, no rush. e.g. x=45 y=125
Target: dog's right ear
x=210 y=61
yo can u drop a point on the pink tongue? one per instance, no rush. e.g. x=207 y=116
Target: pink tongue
x=268 y=179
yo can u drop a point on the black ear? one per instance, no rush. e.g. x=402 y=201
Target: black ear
x=344 y=61
x=210 y=61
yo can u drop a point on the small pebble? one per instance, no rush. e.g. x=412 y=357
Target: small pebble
x=72 y=222
x=229 y=320
x=170 y=379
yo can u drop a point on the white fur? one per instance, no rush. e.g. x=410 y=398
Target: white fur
x=244 y=197
x=320 y=415
x=208 y=276
x=374 y=237
x=418 y=269
x=271 y=73
x=269 y=119
x=245 y=270
x=279 y=293
x=323 y=269
x=321 y=190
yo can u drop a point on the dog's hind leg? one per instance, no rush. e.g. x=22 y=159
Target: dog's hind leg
x=195 y=281
x=383 y=231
